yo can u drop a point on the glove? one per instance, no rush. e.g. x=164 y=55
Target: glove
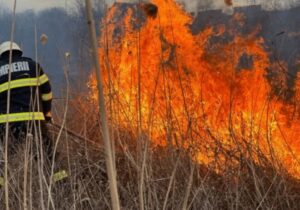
x=48 y=117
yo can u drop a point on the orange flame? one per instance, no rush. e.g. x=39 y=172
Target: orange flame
x=191 y=88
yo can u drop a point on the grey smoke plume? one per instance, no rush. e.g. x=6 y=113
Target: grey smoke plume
x=196 y=5
x=200 y=5
x=190 y=5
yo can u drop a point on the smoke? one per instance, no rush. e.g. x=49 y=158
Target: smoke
x=227 y=5
x=279 y=4
x=190 y=5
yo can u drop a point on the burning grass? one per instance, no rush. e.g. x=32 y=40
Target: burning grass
x=188 y=89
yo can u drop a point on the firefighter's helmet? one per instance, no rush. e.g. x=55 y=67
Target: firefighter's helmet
x=5 y=47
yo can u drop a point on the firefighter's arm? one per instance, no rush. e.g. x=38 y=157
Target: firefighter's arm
x=46 y=95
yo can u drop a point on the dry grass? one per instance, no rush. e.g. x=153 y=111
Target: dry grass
x=172 y=180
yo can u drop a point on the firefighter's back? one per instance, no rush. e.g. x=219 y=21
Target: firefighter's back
x=22 y=85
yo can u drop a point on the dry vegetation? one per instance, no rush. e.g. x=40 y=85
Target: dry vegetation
x=172 y=180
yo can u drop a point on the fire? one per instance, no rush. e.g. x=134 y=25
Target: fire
x=192 y=91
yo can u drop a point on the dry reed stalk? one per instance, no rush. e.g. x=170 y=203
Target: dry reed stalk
x=141 y=146
x=188 y=190
x=171 y=183
x=8 y=109
x=110 y=83
x=37 y=127
x=102 y=111
x=29 y=139
x=66 y=73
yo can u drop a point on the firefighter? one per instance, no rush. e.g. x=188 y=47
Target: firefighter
x=30 y=97
x=30 y=92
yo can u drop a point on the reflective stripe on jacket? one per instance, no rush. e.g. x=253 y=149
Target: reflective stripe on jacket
x=23 y=116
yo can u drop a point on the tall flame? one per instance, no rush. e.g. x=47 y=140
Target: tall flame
x=193 y=90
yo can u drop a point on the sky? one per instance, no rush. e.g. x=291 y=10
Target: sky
x=191 y=5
